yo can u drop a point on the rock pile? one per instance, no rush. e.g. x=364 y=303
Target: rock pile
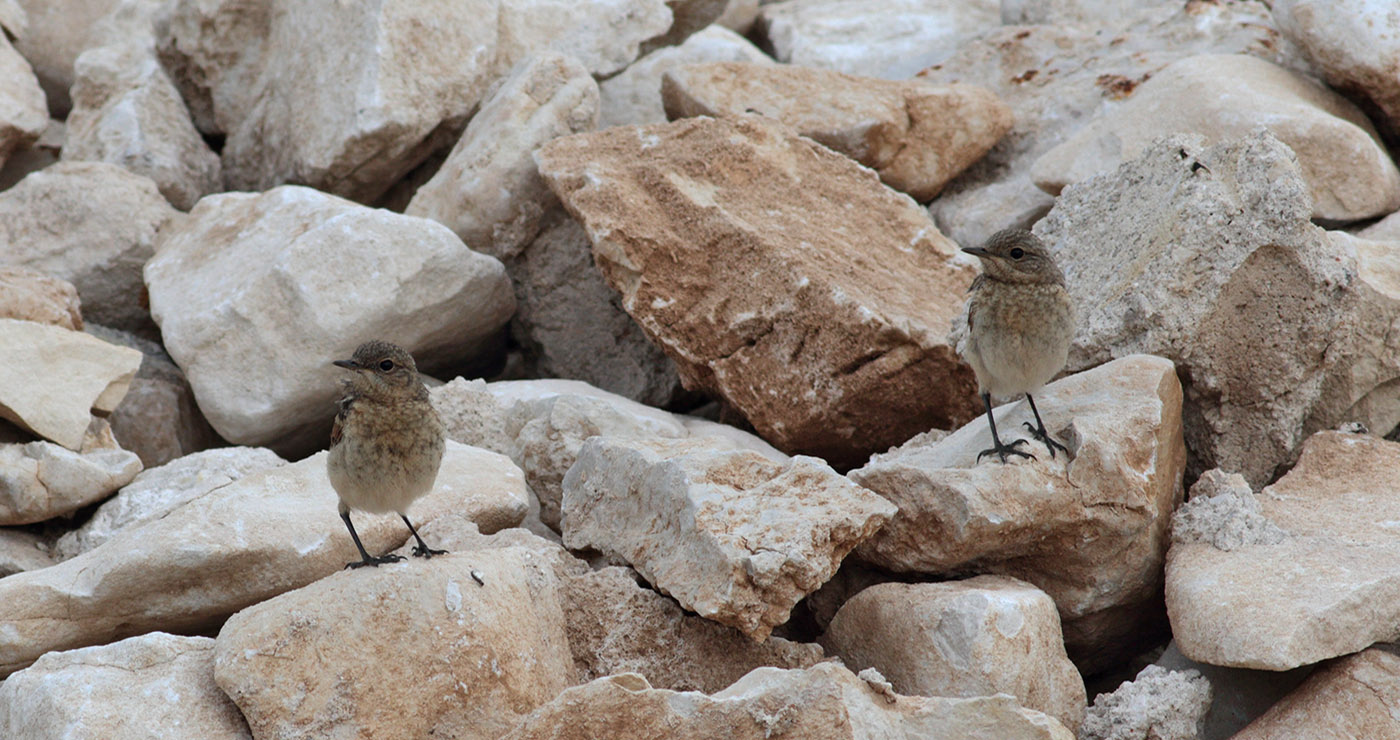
x=684 y=278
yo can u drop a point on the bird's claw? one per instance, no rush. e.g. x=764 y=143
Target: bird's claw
x=423 y=551
x=1002 y=450
x=1040 y=434
x=374 y=562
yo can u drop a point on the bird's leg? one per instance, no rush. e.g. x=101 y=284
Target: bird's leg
x=365 y=559
x=421 y=550
x=997 y=447
x=1038 y=431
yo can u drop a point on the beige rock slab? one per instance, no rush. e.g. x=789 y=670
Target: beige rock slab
x=841 y=349
x=53 y=378
x=730 y=534
x=918 y=136
x=23 y=113
x=155 y=685
x=21 y=550
x=267 y=533
x=825 y=702
x=1090 y=531
x=41 y=480
x=977 y=637
x=31 y=295
x=1353 y=697
x=1326 y=589
x=1349 y=174
x=1354 y=48
x=412 y=649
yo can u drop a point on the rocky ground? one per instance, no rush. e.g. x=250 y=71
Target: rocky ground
x=685 y=278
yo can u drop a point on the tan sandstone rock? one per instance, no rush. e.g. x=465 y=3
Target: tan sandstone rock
x=977 y=637
x=41 y=480
x=1356 y=696
x=22 y=550
x=841 y=349
x=255 y=294
x=918 y=136
x=31 y=295
x=1349 y=174
x=155 y=685
x=262 y=535
x=1090 y=530
x=1322 y=590
x=23 y=115
x=412 y=649
x=825 y=702
x=731 y=535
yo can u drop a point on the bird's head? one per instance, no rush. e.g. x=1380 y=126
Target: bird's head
x=1017 y=256
x=381 y=366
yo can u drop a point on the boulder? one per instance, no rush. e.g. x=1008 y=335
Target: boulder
x=1349 y=174
x=841 y=349
x=54 y=34
x=21 y=550
x=53 y=378
x=93 y=224
x=23 y=115
x=978 y=637
x=824 y=702
x=330 y=659
x=730 y=534
x=213 y=51
x=472 y=414
x=155 y=685
x=918 y=136
x=603 y=35
x=30 y=295
x=1158 y=704
x=1089 y=528
x=41 y=480
x=1355 y=696
x=1269 y=607
x=266 y=533
x=255 y=294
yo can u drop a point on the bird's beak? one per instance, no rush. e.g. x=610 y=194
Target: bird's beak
x=347 y=364
x=975 y=251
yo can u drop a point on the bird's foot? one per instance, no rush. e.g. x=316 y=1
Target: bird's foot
x=1044 y=436
x=1002 y=450
x=423 y=551
x=375 y=562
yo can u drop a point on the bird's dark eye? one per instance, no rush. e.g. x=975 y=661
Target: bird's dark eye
x=386 y=365
x=1017 y=253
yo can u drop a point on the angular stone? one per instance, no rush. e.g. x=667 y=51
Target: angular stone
x=257 y=293
x=731 y=535
x=53 y=378
x=489 y=191
x=158 y=491
x=841 y=350
x=262 y=535
x=155 y=685
x=891 y=39
x=978 y=637
x=633 y=96
x=23 y=115
x=1351 y=44
x=1090 y=528
x=1349 y=174
x=918 y=136
x=604 y=35
x=30 y=295
x=1322 y=591
x=41 y=480
x=1224 y=513
x=480 y=657
x=93 y=224
x=214 y=53
x=1357 y=696
x=1159 y=704
x=824 y=702
x=21 y=550
x=56 y=32
x=472 y=414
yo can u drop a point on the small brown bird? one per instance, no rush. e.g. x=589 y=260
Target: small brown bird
x=1019 y=325
x=387 y=442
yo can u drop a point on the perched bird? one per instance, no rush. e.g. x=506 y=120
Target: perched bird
x=1019 y=324
x=387 y=442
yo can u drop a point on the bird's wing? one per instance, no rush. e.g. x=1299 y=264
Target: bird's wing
x=340 y=419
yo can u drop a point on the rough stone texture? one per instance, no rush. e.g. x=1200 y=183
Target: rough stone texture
x=1238 y=695
x=53 y=378
x=1090 y=530
x=30 y=295
x=156 y=492
x=41 y=480
x=1357 y=696
x=126 y=111
x=21 y=551
x=1264 y=605
x=617 y=626
x=1353 y=45
x=633 y=96
x=1279 y=329
x=1157 y=705
x=472 y=414
x=572 y=325
x=730 y=534
x=825 y=702
x=56 y=32
x=255 y=294
x=1057 y=77
x=489 y=191
x=841 y=350
x=1224 y=513
x=604 y=35
x=1349 y=174
x=328 y=660
x=213 y=51
x=918 y=136
x=93 y=224
x=891 y=39
x=155 y=685
x=1090 y=13
x=262 y=535
x=982 y=636
x=23 y=115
